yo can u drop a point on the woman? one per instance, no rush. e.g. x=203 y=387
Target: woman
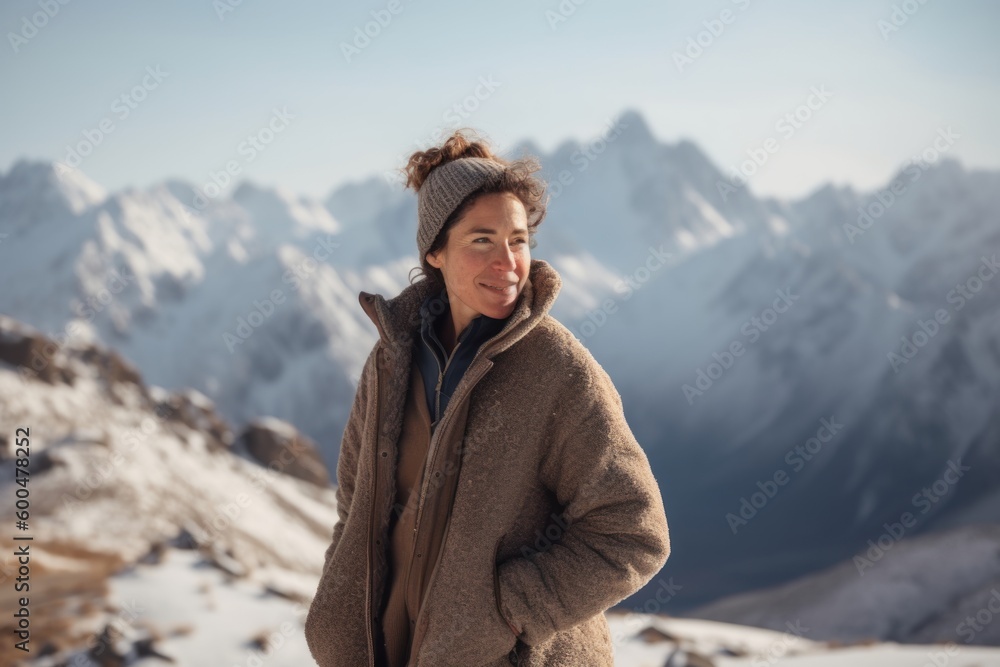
x=492 y=500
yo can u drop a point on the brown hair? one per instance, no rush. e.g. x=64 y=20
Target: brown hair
x=518 y=179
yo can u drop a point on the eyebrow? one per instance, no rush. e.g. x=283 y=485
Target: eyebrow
x=487 y=230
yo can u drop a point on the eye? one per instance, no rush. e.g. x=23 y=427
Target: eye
x=486 y=239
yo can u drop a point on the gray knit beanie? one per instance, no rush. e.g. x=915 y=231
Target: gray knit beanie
x=444 y=189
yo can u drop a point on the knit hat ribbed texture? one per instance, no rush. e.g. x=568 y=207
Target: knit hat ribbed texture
x=444 y=189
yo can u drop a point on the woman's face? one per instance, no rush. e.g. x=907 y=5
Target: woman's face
x=486 y=249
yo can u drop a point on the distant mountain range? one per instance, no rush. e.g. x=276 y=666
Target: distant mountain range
x=800 y=373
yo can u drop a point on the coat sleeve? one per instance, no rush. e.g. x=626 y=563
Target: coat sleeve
x=350 y=449
x=615 y=537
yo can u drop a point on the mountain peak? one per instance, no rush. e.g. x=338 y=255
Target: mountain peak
x=40 y=179
x=635 y=130
x=249 y=191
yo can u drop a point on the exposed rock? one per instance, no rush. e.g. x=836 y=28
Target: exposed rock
x=278 y=445
x=155 y=554
x=146 y=648
x=281 y=592
x=184 y=539
x=33 y=353
x=43 y=461
x=259 y=640
x=225 y=561
x=682 y=658
x=113 y=369
x=652 y=635
x=107 y=650
x=119 y=645
x=196 y=411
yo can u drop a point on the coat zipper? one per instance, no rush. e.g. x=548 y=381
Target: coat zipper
x=420 y=505
x=371 y=519
x=441 y=372
x=427 y=463
x=437 y=409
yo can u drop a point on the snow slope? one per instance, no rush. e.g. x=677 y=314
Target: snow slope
x=119 y=470
x=918 y=590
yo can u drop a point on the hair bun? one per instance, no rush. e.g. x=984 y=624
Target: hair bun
x=458 y=145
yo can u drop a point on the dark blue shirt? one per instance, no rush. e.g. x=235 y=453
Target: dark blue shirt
x=435 y=364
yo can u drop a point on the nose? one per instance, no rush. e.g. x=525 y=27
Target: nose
x=506 y=257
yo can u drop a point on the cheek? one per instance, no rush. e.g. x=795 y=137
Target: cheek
x=472 y=261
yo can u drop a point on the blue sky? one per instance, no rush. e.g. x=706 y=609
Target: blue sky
x=224 y=77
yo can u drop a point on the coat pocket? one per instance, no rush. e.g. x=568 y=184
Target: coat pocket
x=496 y=586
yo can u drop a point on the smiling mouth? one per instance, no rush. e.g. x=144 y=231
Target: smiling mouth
x=501 y=290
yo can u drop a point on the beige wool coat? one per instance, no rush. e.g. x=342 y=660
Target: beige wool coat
x=556 y=517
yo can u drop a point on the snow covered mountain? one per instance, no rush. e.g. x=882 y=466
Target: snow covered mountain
x=798 y=372
x=937 y=588
x=121 y=473
x=863 y=372
x=187 y=291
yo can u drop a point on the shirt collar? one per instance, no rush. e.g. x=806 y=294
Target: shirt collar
x=481 y=328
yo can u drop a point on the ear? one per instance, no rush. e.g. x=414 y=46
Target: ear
x=433 y=260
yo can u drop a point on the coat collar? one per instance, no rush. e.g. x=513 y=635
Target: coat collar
x=480 y=329
x=398 y=319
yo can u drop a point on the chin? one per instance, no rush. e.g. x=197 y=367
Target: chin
x=500 y=312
